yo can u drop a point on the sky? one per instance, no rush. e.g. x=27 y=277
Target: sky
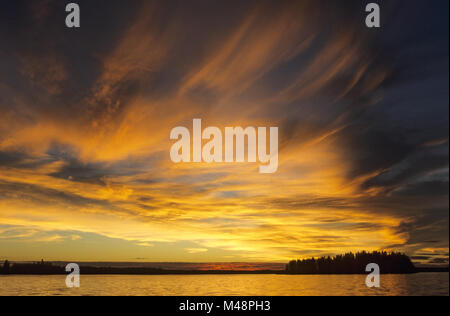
x=86 y=115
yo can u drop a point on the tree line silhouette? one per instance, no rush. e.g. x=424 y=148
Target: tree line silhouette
x=351 y=263
x=42 y=267
x=48 y=268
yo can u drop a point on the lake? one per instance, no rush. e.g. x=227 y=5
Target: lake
x=227 y=285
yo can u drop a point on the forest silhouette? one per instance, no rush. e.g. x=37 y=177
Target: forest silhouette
x=351 y=263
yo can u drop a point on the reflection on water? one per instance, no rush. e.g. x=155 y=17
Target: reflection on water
x=228 y=285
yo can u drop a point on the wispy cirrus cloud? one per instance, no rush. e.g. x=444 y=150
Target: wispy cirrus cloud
x=84 y=144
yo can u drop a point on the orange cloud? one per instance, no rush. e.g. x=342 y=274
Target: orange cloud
x=100 y=163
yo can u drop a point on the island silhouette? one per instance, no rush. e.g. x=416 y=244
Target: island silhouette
x=349 y=263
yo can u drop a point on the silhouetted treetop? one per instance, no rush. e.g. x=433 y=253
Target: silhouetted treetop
x=351 y=263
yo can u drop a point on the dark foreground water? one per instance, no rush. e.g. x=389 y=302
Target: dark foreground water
x=228 y=285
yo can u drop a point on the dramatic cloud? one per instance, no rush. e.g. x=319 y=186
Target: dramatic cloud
x=86 y=114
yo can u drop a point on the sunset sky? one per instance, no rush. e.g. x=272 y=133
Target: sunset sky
x=86 y=115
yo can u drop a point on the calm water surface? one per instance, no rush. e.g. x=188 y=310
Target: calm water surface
x=228 y=285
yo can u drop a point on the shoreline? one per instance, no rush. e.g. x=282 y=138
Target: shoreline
x=114 y=271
